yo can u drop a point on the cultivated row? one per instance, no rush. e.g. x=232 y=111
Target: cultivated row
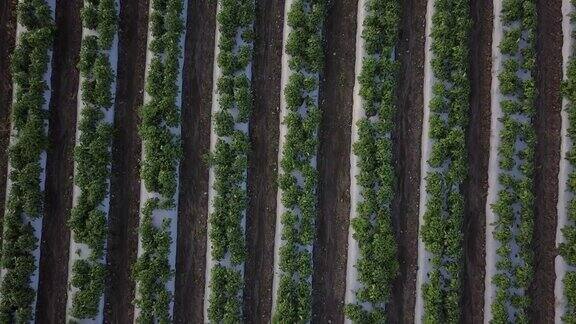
x=302 y=61
x=27 y=160
x=373 y=257
x=229 y=161
x=442 y=200
x=161 y=151
x=372 y=250
x=88 y=219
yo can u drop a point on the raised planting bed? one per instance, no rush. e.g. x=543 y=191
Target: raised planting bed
x=232 y=107
x=510 y=218
x=565 y=285
x=444 y=162
x=27 y=159
x=302 y=62
x=372 y=249
x=161 y=151
x=88 y=219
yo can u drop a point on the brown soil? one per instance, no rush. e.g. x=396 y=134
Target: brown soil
x=547 y=123
x=263 y=161
x=335 y=101
x=54 y=248
x=7 y=43
x=407 y=142
x=478 y=144
x=126 y=147
x=193 y=199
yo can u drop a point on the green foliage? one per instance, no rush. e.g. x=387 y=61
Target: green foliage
x=230 y=159
x=514 y=206
x=304 y=47
x=24 y=201
x=161 y=148
x=441 y=231
x=568 y=248
x=377 y=264
x=152 y=270
x=225 y=304
x=88 y=276
x=101 y=16
x=92 y=157
x=34 y=14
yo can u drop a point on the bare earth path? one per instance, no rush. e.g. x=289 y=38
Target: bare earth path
x=193 y=199
x=54 y=248
x=478 y=144
x=407 y=143
x=547 y=123
x=335 y=101
x=125 y=179
x=263 y=160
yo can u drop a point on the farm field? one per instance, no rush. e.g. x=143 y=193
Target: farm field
x=288 y=161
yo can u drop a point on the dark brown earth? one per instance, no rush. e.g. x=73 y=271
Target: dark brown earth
x=335 y=101
x=54 y=247
x=547 y=123
x=407 y=143
x=263 y=161
x=126 y=147
x=478 y=144
x=7 y=43
x=193 y=199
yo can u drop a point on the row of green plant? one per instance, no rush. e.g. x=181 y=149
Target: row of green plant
x=160 y=116
x=92 y=156
x=152 y=269
x=230 y=159
x=568 y=248
x=377 y=262
x=298 y=177
x=514 y=207
x=24 y=201
x=449 y=116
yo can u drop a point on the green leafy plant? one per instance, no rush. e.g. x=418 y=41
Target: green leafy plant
x=161 y=153
x=24 y=201
x=514 y=207
x=377 y=263
x=304 y=47
x=92 y=157
x=444 y=210
x=230 y=159
x=152 y=270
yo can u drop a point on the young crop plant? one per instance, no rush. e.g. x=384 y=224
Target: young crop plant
x=92 y=157
x=230 y=159
x=24 y=201
x=298 y=176
x=377 y=264
x=449 y=106
x=514 y=206
x=568 y=248
x=161 y=153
